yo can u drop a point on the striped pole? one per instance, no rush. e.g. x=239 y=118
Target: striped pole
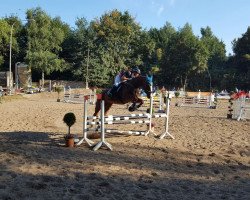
x=121 y=117
x=130 y=132
x=119 y=122
x=127 y=117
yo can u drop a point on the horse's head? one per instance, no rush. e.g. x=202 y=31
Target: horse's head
x=143 y=82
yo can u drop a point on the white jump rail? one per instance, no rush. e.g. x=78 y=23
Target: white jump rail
x=79 y=98
x=198 y=102
x=157 y=102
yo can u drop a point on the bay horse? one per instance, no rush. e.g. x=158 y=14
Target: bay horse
x=126 y=92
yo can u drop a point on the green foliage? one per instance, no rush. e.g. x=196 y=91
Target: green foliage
x=116 y=39
x=59 y=89
x=45 y=36
x=216 y=57
x=69 y=119
x=177 y=94
x=184 y=56
x=104 y=46
x=98 y=91
x=4 y=40
x=241 y=48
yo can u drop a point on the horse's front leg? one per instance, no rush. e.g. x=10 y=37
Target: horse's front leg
x=136 y=103
x=139 y=102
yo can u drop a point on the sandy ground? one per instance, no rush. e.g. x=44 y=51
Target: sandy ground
x=208 y=159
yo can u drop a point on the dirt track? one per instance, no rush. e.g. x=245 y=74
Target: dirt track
x=209 y=159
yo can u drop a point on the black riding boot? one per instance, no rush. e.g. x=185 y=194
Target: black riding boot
x=110 y=93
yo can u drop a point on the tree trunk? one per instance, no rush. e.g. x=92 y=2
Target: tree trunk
x=42 y=79
x=181 y=81
x=185 y=83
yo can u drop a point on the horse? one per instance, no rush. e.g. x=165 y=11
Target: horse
x=127 y=92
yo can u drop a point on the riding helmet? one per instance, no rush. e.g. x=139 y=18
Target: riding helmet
x=136 y=70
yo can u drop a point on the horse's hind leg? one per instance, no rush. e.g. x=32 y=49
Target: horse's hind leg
x=107 y=107
x=97 y=107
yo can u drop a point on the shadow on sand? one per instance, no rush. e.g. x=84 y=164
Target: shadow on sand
x=57 y=172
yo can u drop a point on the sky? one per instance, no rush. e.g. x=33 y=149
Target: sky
x=228 y=19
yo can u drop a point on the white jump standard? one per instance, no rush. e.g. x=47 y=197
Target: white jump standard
x=100 y=123
x=88 y=141
x=241 y=108
x=102 y=142
x=198 y=101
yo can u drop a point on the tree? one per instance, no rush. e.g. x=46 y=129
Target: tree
x=241 y=48
x=4 y=41
x=16 y=26
x=216 y=56
x=44 y=42
x=83 y=53
x=162 y=39
x=116 y=41
x=184 y=56
x=146 y=50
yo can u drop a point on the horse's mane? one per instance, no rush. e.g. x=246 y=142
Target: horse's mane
x=136 y=79
x=138 y=82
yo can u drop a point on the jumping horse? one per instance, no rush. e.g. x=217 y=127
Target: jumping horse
x=126 y=92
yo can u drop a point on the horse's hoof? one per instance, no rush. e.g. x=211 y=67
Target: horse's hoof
x=138 y=106
x=131 y=109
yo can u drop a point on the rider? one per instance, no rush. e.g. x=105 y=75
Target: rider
x=135 y=72
x=123 y=76
x=126 y=74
